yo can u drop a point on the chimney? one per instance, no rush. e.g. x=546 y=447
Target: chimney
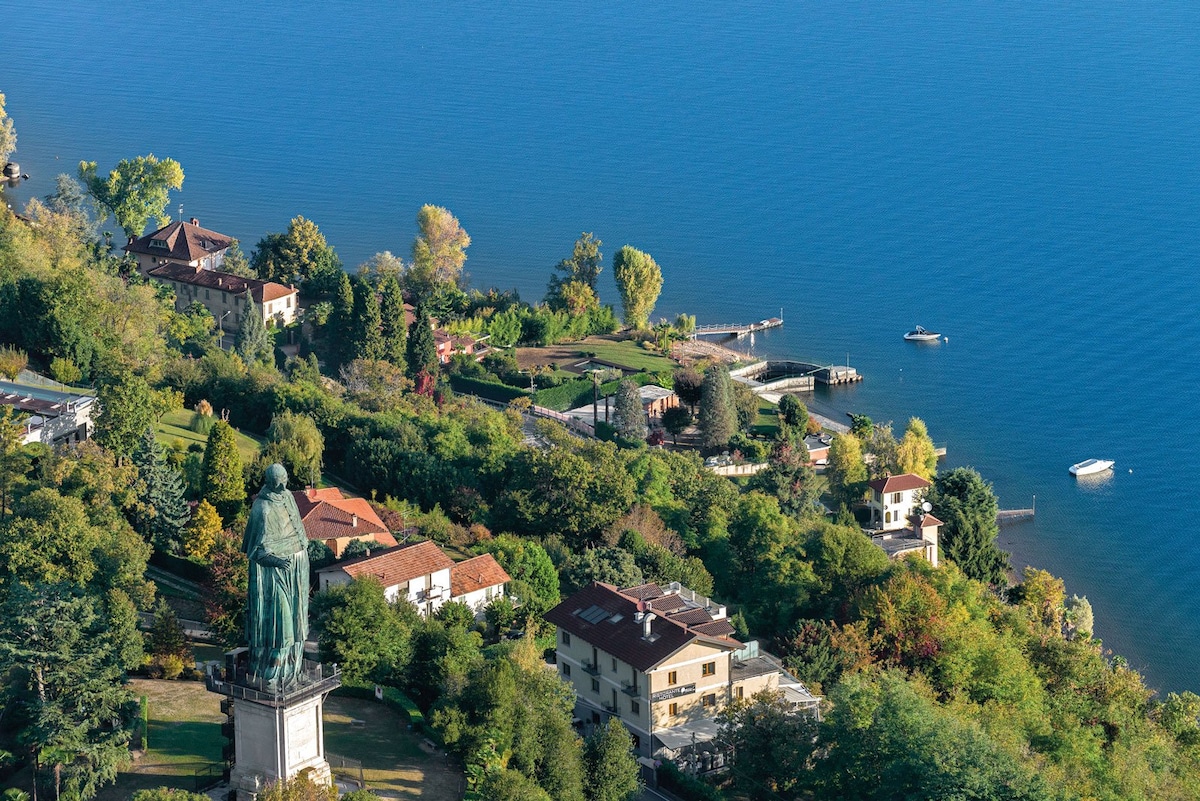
x=195 y=221
x=647 y=619
x=354 y=521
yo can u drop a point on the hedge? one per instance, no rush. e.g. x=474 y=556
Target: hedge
x=687 y=787
x=392 y=698
x=177 y=565
x=574 y=394
x=491 y=390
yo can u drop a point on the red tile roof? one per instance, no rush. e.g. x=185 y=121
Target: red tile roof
x=184 y=241
x=328 y=515
x=261 y=291
x=397 y=565
x=475 y=574
x=929 y=520
x=907 y=481
x=604 y=617
x=716 y=628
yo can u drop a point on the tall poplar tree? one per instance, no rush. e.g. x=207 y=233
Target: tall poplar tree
x=253 y=342
x=718 y=415
x=393 y=325
x=221 y=472
x=422 y=350
x=847 y=472
x=365 y=335
x=639 y=280
x=162 y=511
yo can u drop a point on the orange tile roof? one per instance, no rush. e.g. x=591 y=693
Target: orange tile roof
x=328 y=515
x=184 y=241
x=475 y=574
x=907 y=481
x=397 y=565
x=261 y=291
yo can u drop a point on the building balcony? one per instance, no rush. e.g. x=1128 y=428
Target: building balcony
x=609 y=707
x=632 y=690
x=590 y=667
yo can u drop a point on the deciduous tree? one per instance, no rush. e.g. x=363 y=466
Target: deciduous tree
x=13 y=460
x=300 y=255
x=136 y=191
x=439 y=251
x=846 y=472
x=772 y=744
x=128 y=406
x=582 y=269
x=688 y=382
x=639 y=280
x=202 y=531
x=294 y=441
x=676 y=420
x=363 y=633
x=915 y=453
x=8 y=134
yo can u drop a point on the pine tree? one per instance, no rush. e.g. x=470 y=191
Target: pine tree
x=718 y=415
x=631 y=420
x=162 y=509
x=253 y=342
x=395 y=332
x=366 y=338
x=341 y=323
x=422 y=350
x=221 y=479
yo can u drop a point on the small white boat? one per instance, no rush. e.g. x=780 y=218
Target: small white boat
x=1087 y=468
x=919 y=334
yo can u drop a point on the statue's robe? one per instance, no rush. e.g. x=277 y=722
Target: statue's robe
x=277 y=604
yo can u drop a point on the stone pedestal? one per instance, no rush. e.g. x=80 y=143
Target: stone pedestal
x=277 y=734
x=278 y=742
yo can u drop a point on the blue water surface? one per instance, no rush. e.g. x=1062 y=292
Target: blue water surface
x=1021 y=178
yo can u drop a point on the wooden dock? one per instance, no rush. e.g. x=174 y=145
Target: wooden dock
x=1007 y=517
x=738 y=330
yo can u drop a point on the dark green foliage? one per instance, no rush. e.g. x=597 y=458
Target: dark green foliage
x=442 y=658
x=610 y=565
x=64 y=653
x=745 y=404
x=490 y=390
x=421 y=353
x=687 y=383
x=967 y=507
x=127 y=407
x=356 y=548
x=718 y=414
x=319 y=555
x=793 y=412
x=342 y=323
x=676 y=420
x=534 y=577
x=790 y=480
x=630 y=420
x=253 y=342
x=772 y=744
x=366 y=334
x=222 y=483
x=166 y=635
x=660 y=565
x=358 y=629
x=162 y=513
x=394 y=329
x=613 y=773
x=455 y=613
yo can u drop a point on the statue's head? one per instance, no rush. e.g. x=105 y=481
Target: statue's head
x=276 y=478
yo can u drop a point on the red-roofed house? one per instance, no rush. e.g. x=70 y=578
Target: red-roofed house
x=895 y=499
x=662 y=659
x=424 y=576
x=477 y=582
x=337 y=520
x=188 y=259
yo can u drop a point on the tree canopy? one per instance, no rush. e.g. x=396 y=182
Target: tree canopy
x=136 y=191
x=639 y=280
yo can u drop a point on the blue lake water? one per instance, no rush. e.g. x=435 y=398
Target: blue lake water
x=1021 y=179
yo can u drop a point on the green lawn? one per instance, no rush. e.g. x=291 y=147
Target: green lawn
x=767 y=422
x=177 y=426
x=628 y=353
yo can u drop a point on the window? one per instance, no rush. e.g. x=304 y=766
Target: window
x=887 y=517
x=709 y=669
x=566 y=638
x=673 y=710
x=614 y=664
x=897 y=497
x=739 y=692
x=709 y=700
x=596 y=686
x=567 y=670
x=672 y=678
x=224 y=298
x=635 y=707
x=206 y=296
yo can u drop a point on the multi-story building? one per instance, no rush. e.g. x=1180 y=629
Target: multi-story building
x=188 y=259
x=49 y=416
x=900 y=521
x=424 y=576
x=663 y=661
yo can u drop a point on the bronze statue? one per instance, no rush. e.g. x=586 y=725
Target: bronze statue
x=277 y=612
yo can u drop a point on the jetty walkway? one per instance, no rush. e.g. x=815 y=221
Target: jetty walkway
x=738 y=330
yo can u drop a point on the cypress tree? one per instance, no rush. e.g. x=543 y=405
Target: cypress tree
x=718 y=415
x=253 y=342
x=341 y=323
x=612 y=770
x=395 y=332
x=422 y=350
x=366 y=339
x=222 y=482
x=162 y=510
x=631 y=420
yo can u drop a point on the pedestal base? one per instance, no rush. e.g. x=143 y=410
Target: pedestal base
x=274 y=742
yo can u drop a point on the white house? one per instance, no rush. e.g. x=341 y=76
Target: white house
x=895 y=499
x=424 y=576
x=49 y=416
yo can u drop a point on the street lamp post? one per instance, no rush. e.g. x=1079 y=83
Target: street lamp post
x=221 y=328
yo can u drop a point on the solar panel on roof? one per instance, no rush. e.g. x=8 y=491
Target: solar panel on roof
x=594 y=614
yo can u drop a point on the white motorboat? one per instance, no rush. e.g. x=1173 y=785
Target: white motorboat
x=919 y=334
x=1090 y=466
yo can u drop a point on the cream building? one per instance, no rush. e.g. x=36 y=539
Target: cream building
x=900 y=524
x=663 y=660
